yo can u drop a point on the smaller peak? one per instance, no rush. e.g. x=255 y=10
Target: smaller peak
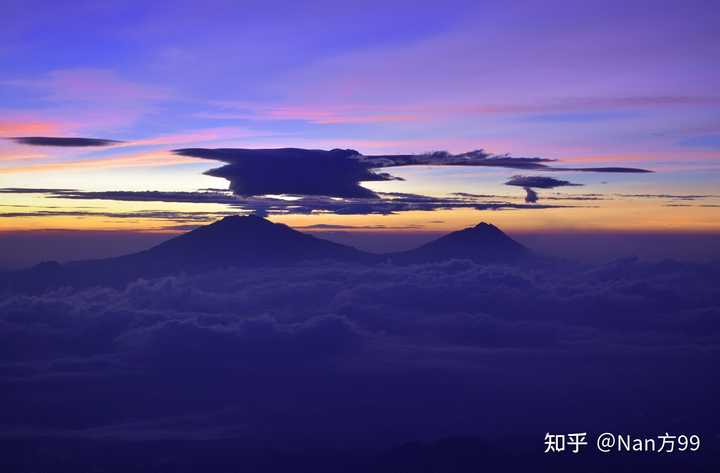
x=486 y=226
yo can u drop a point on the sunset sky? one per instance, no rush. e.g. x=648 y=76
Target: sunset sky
x=589 y=84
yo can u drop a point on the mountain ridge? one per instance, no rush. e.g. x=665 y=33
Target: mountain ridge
x=254 y=242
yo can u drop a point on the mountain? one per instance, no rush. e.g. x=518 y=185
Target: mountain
x=235 y=241
x=253 y=242
x=245 y=241
x=484 y=243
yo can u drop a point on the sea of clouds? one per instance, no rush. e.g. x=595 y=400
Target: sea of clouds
x=330 y=354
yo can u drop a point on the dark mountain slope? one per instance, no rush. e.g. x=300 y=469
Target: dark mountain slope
x=231 y=242
x=483 y=243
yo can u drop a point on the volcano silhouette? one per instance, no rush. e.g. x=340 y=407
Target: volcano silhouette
x=254 y=242
x=484 y=243
x=246 y=241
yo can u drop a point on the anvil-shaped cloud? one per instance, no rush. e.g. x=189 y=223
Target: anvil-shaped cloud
x=339 y=172
x=291 y=171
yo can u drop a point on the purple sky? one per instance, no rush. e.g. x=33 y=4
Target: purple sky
x=525 y=77
x=606 y=83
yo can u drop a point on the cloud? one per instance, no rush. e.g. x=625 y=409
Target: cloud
x=34 y=190
x=710 y=142
x=90 y=85
x=541 y=182
x=81 y=99
x=484 y=159
x=320 y=355
x=290 y=171
x=63 y=141
x=339 y=172
x=317 y=115
x=141 y=159
x=566 y=109
x=472 y=158
x=619 y=170
x=260 y=212
x=203 y=309
x=531 y=195
x=670 y=196
x=384 y=204
x=199 y=217
x=257 y=340
x=254 y=352
x=29 y=125
x=326 y=226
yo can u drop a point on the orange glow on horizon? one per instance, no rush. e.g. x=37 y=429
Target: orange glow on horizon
x=150 y=159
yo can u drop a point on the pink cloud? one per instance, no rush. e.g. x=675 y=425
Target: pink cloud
x=329 y=116
x=91 y=100
x=326 y=114
x=14 y=153
x=19 y=127
x=311 y=113
x=147 y=159
x=200 y=136
x=81 y=85
x=481 y=70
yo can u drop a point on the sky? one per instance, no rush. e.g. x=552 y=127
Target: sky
x=586 y=85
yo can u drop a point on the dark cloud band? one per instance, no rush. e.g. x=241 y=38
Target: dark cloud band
x=63 y=141
x=540 y=182
x=382 y=204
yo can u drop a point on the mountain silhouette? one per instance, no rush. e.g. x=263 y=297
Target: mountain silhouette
x=484 y=243
x=245 y=241
x=235 y=241
x=254 y=242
